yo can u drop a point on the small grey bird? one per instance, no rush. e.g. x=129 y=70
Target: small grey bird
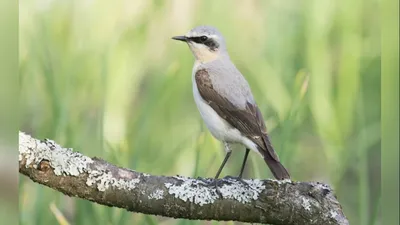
x=225 y=101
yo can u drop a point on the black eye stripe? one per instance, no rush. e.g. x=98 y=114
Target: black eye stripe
x=196 y=39
x=212 y=44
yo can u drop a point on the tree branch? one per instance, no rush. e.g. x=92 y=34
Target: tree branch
x=260 y=201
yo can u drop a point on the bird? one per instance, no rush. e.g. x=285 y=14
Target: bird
x=225 y=101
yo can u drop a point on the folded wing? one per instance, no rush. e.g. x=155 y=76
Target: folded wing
x=248 y=120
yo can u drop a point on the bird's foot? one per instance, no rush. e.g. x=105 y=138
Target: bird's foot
x=212 y=183
x=238 y=179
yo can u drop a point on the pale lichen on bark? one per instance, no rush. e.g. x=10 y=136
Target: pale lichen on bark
x=260 y=201
x=157 y=194
x=63 y=160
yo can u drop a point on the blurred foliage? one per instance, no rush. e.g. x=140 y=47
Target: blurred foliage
x=9 y=89
x=105 y=78
x=390 y=112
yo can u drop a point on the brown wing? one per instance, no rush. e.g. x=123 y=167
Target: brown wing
x=247 y=120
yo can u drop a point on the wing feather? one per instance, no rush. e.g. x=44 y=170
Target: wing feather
x=248 y=120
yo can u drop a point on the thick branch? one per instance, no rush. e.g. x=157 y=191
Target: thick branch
x=261 y=201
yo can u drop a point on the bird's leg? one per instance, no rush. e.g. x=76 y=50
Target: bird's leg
x=216 y=181
x=228 y=154
x=239 y=178
x=244 y=162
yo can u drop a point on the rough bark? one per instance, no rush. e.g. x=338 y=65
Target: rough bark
x=259 y=201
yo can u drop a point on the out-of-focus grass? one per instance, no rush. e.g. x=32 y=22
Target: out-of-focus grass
x=105 y=78
x=390 y=111
x=9 y=112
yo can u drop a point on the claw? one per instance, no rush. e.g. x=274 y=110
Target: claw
x=238 y=179
x=205 y=181
x=212 y=184
x=216 y=183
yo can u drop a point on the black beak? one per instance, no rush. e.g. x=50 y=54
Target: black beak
x=180 y=38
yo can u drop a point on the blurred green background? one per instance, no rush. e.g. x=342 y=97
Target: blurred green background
x=9 y=91
x=105 y=78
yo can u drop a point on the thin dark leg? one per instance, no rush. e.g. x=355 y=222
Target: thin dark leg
x=223 y=164
x=244 y=162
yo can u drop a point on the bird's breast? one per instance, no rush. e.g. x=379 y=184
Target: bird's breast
x=218 y=127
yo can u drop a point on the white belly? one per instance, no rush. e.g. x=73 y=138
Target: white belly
x=218 y=127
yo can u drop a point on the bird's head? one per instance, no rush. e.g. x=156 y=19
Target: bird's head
x=206 y=43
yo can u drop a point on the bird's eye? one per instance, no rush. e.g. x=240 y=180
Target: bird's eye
x=203 y=38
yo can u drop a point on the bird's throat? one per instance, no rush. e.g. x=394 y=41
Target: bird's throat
x=204 y=56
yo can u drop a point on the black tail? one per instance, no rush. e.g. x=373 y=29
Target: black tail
x=277 y=169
